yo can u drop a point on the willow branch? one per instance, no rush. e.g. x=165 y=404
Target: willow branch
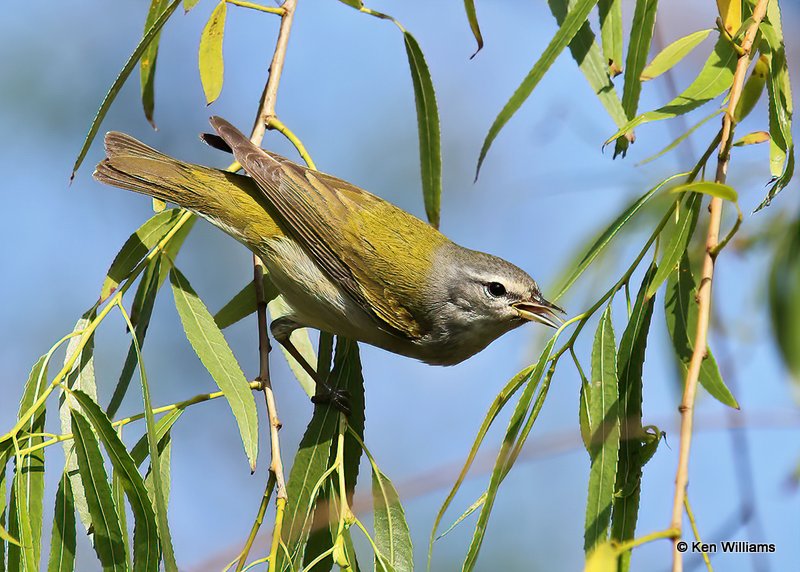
x=704 y=290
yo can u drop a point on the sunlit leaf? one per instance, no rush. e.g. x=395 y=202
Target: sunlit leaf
x=676 y=241
x=715 y=77
x=602 y=398
x=189 y=4
x=603 y=558
x=121 y=78
x=210 y=60
x=752 y=90
x=391 y=529
x=710 y=188
x=572 y=23
x=673 y=53
x=680 y=307
x=753 y=138
x=145 y=535
x=430 y=152
x=630 y=362
x=210 y=346
x=641 y=36
x=107 y=533
x=730 y=11
x=611 y=32
x=301 y=341
x=243 y=303
x=147 y=63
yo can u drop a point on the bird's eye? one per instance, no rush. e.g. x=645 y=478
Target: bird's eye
x=496 y=289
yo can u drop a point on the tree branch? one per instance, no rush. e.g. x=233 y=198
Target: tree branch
x=704 y=290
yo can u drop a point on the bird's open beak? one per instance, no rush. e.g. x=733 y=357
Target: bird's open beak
x=539 y=310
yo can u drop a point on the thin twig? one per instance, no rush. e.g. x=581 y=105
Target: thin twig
x=696 y=531
x=704 y=290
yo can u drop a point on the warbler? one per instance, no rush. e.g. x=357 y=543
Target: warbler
x=346 y=261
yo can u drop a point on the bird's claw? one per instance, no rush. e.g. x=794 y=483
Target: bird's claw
x=336 y=397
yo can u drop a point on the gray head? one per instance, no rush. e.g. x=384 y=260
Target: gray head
x=479 y=297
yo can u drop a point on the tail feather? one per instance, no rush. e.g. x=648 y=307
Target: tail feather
x=231 y=202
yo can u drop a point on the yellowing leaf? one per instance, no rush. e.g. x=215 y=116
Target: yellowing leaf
x=602 y=559
x=752 y=139
x=210 y=59
x=731 y=13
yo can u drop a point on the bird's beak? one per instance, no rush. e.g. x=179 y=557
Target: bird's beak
x=539 y=310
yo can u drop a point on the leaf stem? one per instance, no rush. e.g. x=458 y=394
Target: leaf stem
x=704 y=290
x=695 y=531
x=279 y=11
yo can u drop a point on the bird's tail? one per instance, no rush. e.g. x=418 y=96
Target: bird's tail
x=231 y=202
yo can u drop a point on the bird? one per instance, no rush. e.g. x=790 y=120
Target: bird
x=346 y=261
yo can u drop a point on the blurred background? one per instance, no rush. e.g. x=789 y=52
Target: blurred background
x=545 y=189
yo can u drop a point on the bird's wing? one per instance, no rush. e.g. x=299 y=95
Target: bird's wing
x=334 y=222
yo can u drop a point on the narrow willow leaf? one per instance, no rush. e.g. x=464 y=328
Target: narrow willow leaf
x=587 y=55
x=715 y=77
x=730 y=11
x=630 y=362
x=81 y=377
x=118 y=494
x=784 y=299
x=147 y=63
x=677 y=241
x=501 y=464
x=244 y=303
x=608 y=234
x=611 y=33
x=667 y=58
x=5 y=536
x=165 y=459
x=300 y=339
x=780 y=105
x=62 y=542
x=216 y=355
x=430 y=152
x=392 y=537
x=14 y=548
x=472 y=17
x=752 y=90
x=136 y=248
x=753 y=138
x=494 y=410
x=145 y=535
x=139 y=451
x=121 y=78
x=602 y=558
x=189 y=4
x=680 y=307
x=29 y=480
x=572 y=23
x=105 y=521
x=710 y=188
x=683 y=137
x=644 y=20
x=470 y=509
x=210 y=60
x=604 y=428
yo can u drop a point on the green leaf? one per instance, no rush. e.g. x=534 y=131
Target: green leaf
x=780 y=105
x=753 y=138
x=630 y=362
x=589 y=58
x=470 y=509
x=164 y=460
x=572 y=24
x=105 y=522
x=608 y=234
x=139 y=452
x=673 y=53
x=148 y=37
x=644 y=19
x=210 y=60
x=724 y=192
x=244 y=303
x=680 y=307
x=145 y=534
x=136 y=248
x=472 y=17
x=392 y=536
x=715 y=77
x=81 y=377
x=189 y=4
x=494 y=410
x=147 y=63
x=506 y=453
x=29 y=480
x=430 y=152
x=676 y=241
x=611 y=33
x=62 y=542
x=683 y=137
x=300 y=339
x=752 y=90
x=210 y=346
x=603 y=416
x=784 y=299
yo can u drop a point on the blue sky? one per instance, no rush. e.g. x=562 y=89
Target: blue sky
x=545 y=189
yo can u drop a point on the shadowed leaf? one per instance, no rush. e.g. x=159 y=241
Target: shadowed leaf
x=611 y=33
x=147 y=63
x=472 y=17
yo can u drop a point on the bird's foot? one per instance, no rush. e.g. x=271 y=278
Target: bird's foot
x=335 y=397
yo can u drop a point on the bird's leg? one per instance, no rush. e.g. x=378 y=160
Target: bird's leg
x=282 y=329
